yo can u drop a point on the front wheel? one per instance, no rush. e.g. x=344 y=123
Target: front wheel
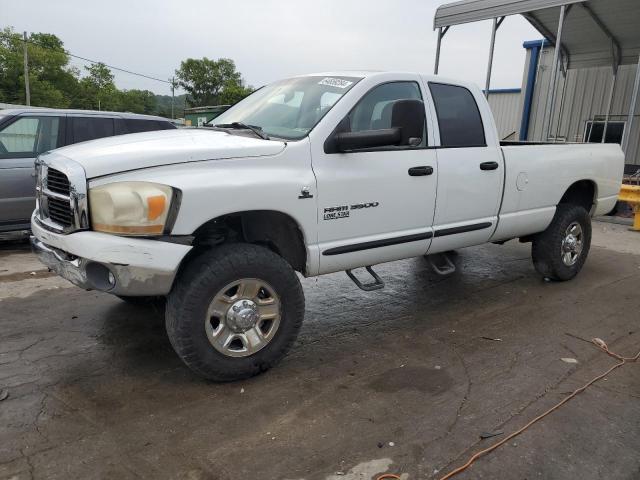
x=234 y=311
x=560 y=251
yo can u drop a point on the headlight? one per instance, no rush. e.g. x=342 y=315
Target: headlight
x=130 y=208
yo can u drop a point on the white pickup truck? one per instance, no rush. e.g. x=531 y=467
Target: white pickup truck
x=313 y=174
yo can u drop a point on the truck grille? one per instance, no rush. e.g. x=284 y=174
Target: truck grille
x=60 y=212
x=57 y=182
x=61 y=195
x=59 y=209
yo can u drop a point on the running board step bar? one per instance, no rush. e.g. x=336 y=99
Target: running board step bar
x=441 y=263
x=367 y=287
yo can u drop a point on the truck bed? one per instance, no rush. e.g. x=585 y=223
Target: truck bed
x=537 y=176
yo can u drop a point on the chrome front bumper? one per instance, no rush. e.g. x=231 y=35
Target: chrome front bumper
x=91 y=275
x=60 y=263
x=113 y=264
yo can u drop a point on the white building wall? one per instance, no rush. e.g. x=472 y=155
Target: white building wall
x=582 y=95
x=506 y=107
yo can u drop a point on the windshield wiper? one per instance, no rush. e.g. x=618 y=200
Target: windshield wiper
x=243 y=126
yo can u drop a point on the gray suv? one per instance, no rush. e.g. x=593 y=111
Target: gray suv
x=26 y=133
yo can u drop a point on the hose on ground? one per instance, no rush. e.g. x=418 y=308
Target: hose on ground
x=598 y=343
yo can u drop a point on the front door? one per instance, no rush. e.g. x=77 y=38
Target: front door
x=21 y=141
x=375 y=205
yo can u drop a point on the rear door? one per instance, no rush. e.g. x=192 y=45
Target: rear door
x=22 y=139
x=470 y=168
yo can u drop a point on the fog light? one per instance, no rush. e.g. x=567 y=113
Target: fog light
x=100 y=277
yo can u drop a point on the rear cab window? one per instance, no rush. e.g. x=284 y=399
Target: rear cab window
x=459 y=118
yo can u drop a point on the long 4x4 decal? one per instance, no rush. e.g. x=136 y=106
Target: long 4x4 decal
x=343 y=211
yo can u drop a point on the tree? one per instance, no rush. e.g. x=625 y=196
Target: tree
x=98 y=91
x=211 y=82
x=163 y=105
x=233 y=93
x=55 y=83
x=52 y=81
x=138 y=101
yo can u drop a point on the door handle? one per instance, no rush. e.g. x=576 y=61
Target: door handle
x=489 y=165
x=420 y=171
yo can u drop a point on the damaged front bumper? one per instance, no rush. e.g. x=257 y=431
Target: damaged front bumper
x=113 y=264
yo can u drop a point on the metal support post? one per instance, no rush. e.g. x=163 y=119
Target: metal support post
x=554 y=73
x=632 y=110
x=441 y=34
x=496 y=24
x=611 y=92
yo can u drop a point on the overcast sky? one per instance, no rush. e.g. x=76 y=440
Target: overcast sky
x=270 y=39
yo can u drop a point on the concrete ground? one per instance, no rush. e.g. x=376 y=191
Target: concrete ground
x=402 y=380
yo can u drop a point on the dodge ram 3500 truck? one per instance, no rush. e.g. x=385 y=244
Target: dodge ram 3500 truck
x=313 y=174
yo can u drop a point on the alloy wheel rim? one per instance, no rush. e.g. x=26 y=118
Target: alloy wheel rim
x=243 y=317
x=572 y=244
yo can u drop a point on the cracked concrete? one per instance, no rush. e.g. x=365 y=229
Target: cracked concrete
x=95 y=390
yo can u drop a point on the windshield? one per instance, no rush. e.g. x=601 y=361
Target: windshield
x=289 y=108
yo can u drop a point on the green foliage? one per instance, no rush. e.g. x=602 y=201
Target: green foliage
x=163 y=105
x=97 y=89
x=55 y=83
x=51 y=79
x=233 y=93
x=211 y=82
x=139 y=101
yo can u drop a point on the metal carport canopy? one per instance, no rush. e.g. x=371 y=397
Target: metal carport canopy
x=596 y=32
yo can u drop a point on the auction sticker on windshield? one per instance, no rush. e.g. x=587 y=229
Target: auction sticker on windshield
x=335 y=82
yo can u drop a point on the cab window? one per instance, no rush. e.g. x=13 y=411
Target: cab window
x=459 y=119
x=373 y=111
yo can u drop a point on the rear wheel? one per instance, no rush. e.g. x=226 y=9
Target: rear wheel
x=234 y=311
x=560 y=251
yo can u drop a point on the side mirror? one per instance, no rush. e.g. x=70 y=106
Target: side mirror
x=409 y=116
x=348 y=141
x=407 y=129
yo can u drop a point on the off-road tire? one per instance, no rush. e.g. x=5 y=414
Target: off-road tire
x=195 y=287
x=546 y=250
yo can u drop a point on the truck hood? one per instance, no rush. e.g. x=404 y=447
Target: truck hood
x=164 y=147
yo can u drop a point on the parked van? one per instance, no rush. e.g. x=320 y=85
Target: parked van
x=25 y=133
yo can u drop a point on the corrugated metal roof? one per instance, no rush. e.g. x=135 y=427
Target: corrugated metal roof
x=584 y=41
x=467 y=11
